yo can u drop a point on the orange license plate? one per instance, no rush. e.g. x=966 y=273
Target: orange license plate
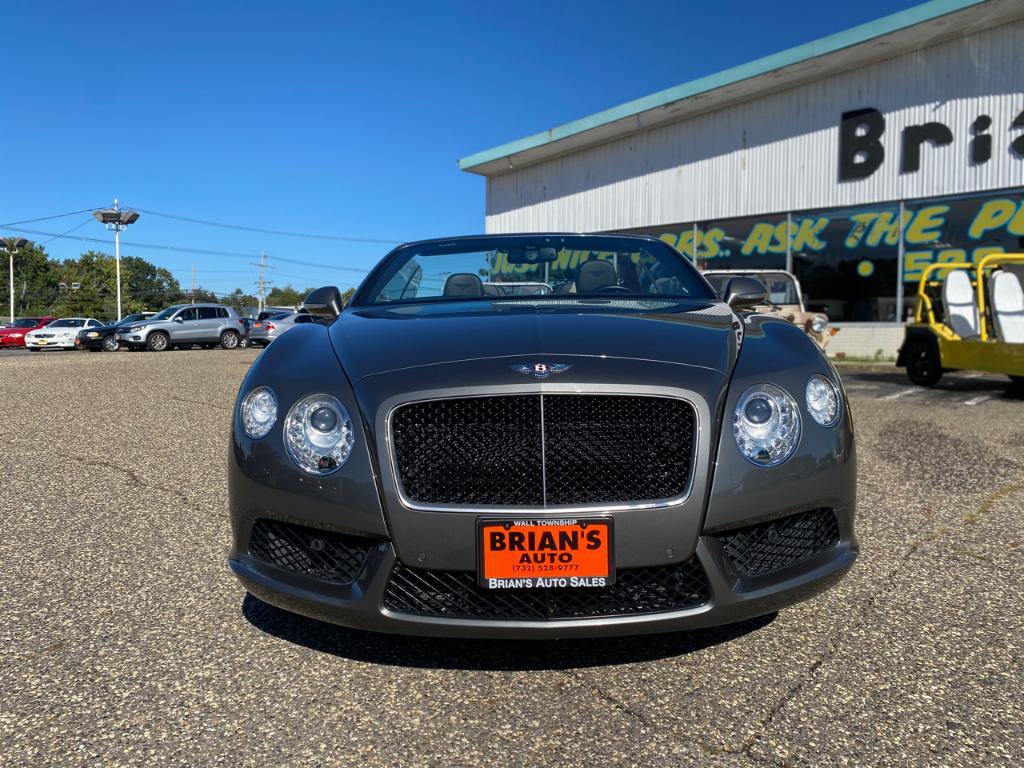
x=531 y=554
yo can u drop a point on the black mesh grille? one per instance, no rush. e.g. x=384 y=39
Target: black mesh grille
x=480 y=450
x=321 y=554
x=776 y=544
x=596 y=449
x=455 y=594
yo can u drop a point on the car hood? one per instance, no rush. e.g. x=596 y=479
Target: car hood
x=377 y=340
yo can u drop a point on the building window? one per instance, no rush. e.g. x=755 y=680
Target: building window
x=846 y=261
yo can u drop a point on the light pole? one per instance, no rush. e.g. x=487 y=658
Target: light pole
x=12 y=245
x=116 y=219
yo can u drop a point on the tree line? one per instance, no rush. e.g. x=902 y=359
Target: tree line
x=87 y=287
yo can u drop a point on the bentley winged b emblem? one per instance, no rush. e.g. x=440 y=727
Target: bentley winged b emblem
x=541 y=370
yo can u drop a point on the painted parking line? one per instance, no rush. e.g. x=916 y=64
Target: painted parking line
x=977 y=400
x=901 y=393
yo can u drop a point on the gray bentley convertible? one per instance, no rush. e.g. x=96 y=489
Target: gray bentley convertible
x=540 y=436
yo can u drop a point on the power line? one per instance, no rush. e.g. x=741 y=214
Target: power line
x=64 y=234
x=183 y=249
x=47 y=218
x=265 y=231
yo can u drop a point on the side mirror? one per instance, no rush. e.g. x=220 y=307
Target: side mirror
x=179 y=319
x=744 y=293
x=324 y=303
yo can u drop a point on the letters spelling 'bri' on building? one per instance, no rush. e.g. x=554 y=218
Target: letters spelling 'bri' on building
x=854 y=161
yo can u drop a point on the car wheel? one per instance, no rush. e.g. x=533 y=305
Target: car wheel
x=923 y=365
x=158 y=342
x=110 y=344
x=229 y=340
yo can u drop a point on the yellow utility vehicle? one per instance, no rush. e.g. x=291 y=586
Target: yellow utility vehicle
x=969 y=316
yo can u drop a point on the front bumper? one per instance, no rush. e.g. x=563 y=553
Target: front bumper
x=50 y=344
x=361 y=603
x=7 y=342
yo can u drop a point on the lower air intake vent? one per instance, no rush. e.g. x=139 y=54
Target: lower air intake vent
x=456 y=595
x=780 y=543
x=310 y=551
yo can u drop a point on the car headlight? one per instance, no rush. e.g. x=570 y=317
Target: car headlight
x=823 y=400
x=92 y=334
x=259 y=412
x=318 y=434
x=136 y=328
x=819 y=323
x=766 y=425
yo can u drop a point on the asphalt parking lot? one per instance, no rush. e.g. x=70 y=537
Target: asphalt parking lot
x=124 y=638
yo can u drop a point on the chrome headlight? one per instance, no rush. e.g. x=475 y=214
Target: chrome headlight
x=819 y=323
x=823 y=400
x=92 y=334
x=136 y=328
x=318 y=434
x=766 y=425
x=258 y=412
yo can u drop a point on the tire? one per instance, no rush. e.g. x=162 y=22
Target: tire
x=158 y=341
x=922 y=361
x=110 y=344
x=229 y=340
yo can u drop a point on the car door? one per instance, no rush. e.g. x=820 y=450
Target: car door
x=209 y=324
x=185 y=325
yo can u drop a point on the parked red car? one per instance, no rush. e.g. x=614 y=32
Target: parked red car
x=14 y=335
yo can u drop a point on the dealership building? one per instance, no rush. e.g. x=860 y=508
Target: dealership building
x=853 y=161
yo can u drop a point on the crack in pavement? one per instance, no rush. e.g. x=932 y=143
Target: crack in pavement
x=133 y=477
x=834 y=644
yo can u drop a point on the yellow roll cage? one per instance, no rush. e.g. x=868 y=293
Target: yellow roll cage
x=924 y=302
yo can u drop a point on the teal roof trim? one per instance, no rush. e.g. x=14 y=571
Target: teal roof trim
x=825 y=45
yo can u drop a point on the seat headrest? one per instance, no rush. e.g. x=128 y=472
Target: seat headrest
x=463 y=284
x=960 y=303
x=594 y=275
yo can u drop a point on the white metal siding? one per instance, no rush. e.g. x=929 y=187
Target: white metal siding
x=781 y=152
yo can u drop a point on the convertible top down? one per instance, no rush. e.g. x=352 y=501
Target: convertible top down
x=611 y=450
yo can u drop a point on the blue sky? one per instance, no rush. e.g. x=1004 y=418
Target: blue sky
x=328 y=117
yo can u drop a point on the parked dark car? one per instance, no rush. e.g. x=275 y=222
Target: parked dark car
x=622 y=453
x=105 y=337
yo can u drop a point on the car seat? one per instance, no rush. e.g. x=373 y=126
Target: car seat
x=1007 y=307
x=463 y=284
x=594 y=275
x=960 y=303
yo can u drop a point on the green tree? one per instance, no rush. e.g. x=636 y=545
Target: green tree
x=35 y=282
x=287 y=296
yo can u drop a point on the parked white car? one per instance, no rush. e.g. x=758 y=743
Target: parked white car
x=60 y=334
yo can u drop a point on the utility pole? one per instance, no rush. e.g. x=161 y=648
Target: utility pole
x=261 y=285
x=193 y=284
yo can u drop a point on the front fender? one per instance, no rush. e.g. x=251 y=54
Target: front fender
x=822 y=472
x=263 y=481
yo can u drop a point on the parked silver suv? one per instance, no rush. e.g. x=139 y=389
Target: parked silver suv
x=184 y=325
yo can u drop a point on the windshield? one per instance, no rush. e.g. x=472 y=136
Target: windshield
x=578 y=266
x=28 y=322
x=67 y=322
x=780 y=287
x=164 y=314
x=131 y=319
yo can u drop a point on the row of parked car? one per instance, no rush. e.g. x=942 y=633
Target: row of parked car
x=180 y=325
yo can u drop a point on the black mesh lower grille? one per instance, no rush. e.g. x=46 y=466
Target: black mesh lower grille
x=311 y=551
x=596 y=449
x=779 y=543
x=456 y=595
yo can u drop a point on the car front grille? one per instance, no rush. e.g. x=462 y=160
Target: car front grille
x=543 y=450
x=456 y=595
x=310 y=551
x=767 y=547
